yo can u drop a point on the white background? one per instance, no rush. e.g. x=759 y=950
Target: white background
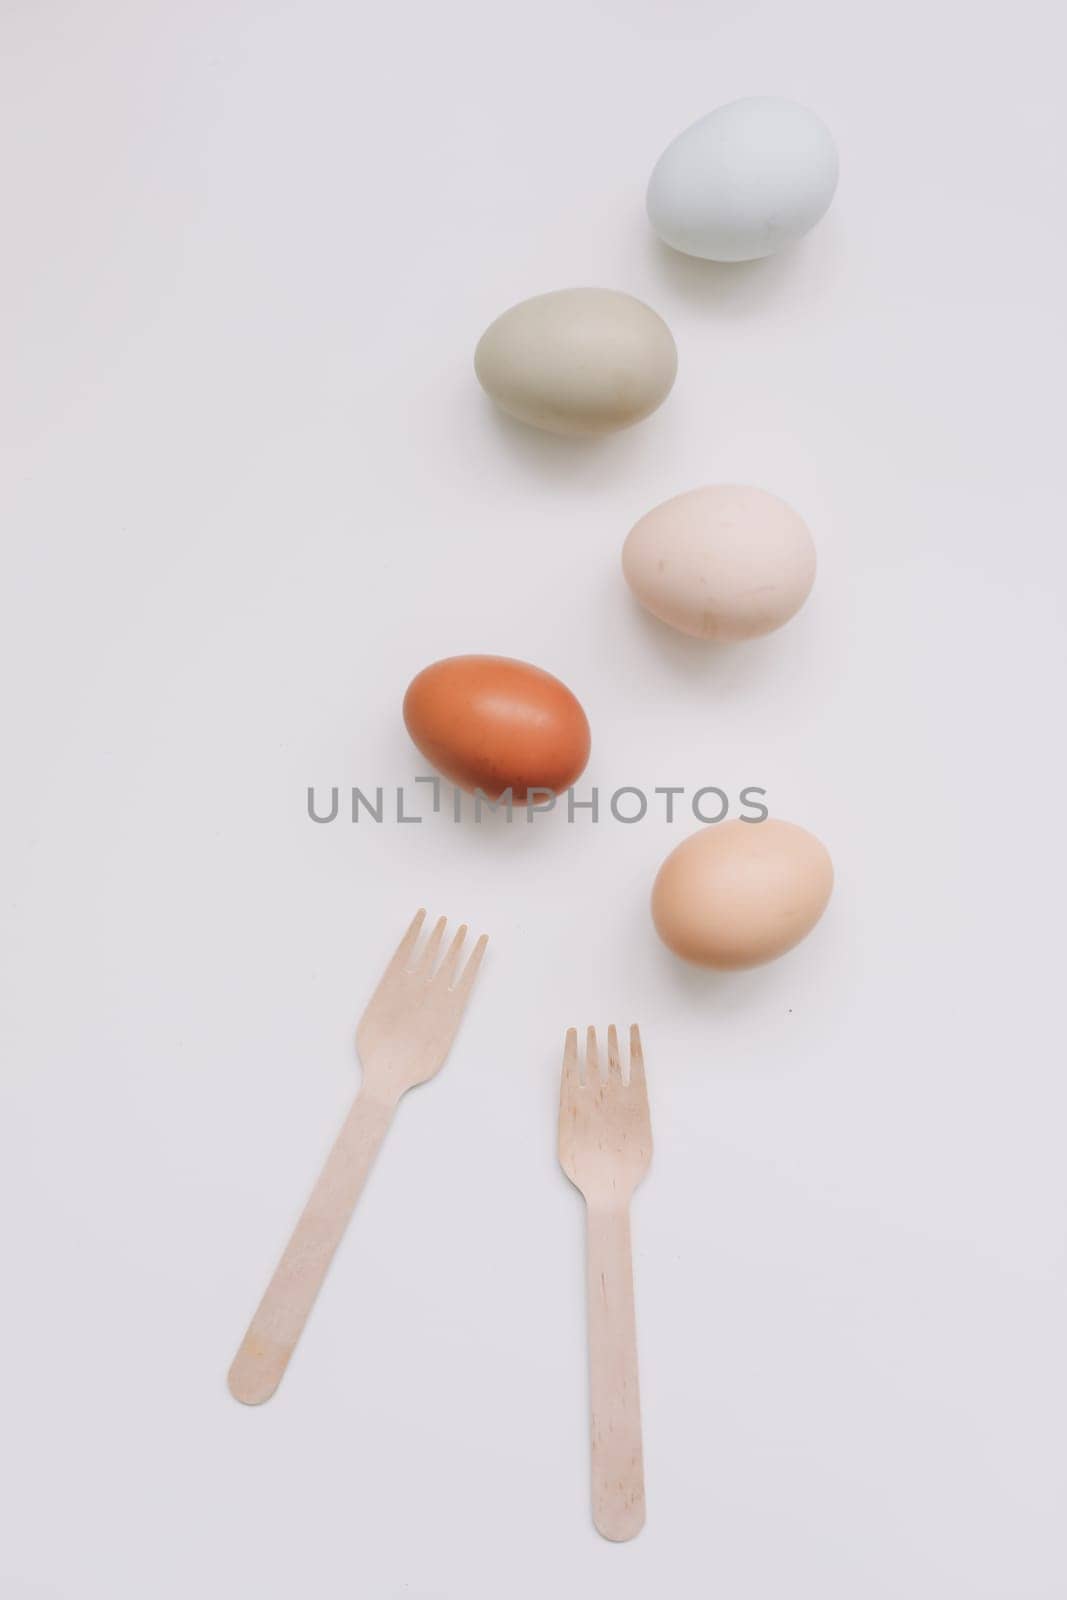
x=250 y=487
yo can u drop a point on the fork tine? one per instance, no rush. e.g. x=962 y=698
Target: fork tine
x=592 y=1057
x=407 y=943
x=470 y=971
x=614 y=1060
x=637 y=1062
x=570 y=1080
x=424 y=965
x=447 y=970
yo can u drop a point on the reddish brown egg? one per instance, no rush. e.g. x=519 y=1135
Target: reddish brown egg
x=490 y=723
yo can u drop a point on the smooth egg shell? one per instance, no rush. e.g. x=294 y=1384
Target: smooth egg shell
x=491 y=723
x=724 y=562
x=738 y=894
x=744 y=181
x=578 y=361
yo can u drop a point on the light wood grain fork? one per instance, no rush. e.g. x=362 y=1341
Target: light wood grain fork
x=605 y=1146
x=403 y=1039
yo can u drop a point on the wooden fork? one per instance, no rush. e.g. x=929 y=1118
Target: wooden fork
x=605 y=1146
x=403 y=1039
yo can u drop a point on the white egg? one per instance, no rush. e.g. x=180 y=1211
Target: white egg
x=725 y=562
x=744 y=181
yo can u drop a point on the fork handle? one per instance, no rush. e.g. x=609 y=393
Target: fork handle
x=261 y=1361
x=617 y=1459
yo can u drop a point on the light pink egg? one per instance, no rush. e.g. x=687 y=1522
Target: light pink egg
x=724 y=562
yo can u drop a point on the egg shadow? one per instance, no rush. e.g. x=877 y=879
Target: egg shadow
x=575 y=460
x=748 y=664
x=716 y=1004
x=740 y=288
x=724 y=994
x=485 y=837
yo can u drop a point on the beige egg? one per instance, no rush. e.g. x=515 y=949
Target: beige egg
x=578 y=361
x=725 y=562
x=738 y=893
